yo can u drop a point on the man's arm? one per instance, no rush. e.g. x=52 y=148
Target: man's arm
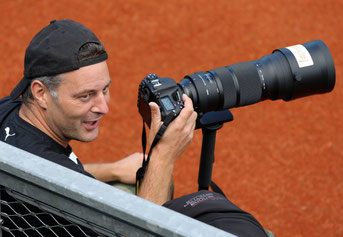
x=157 y=180
x=123 y=171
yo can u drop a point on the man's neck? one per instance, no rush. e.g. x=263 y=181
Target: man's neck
x=34 y=115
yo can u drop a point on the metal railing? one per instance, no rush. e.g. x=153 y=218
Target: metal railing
x=40 y=197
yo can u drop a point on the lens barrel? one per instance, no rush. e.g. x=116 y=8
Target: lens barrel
x=287 y=73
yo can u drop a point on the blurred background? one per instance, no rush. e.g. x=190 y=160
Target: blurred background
x=280 y=161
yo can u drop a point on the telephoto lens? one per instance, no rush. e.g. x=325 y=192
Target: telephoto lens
x=288 y=73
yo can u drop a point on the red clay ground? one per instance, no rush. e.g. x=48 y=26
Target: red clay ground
x=280 y=161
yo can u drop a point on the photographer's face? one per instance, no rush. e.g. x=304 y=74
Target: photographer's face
x=82 y=100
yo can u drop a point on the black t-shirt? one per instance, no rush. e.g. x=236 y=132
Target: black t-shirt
x=19 y=133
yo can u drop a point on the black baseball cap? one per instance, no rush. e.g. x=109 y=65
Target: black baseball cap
x=54 y=50
x=216 y=210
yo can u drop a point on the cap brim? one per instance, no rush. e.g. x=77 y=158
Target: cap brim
x=20 y=88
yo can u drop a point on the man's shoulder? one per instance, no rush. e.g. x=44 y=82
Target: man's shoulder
x=22 y=135
x=19 y=133
x=12 y=128
x=7 y=106
x=30 y=139
x=8 y=102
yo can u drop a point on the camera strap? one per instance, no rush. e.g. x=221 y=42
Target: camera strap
x=141 y=171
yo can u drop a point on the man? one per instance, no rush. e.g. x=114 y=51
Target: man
x=63 y=96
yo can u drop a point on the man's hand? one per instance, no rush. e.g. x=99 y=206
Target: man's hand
x=128 y=167
x=180 y=131
x=157 y=180
x=123 y=171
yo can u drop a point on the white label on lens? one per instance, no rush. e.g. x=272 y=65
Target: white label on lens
x=301 y=54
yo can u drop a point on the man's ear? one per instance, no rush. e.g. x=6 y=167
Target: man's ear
x=40 y=93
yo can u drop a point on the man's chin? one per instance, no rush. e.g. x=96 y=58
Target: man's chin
x=84 y=140
x=87 y=138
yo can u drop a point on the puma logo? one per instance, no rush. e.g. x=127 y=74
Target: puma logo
x=7 y=130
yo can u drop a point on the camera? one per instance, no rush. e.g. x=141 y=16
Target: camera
x=288 y=73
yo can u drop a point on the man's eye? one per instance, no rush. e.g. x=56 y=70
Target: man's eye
x=85 y=97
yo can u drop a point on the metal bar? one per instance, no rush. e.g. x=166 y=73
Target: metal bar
x=92 y=200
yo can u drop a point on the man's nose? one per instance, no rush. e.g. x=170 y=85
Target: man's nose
x=100 y=104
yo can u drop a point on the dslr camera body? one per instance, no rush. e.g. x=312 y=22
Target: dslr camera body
x=164 y=92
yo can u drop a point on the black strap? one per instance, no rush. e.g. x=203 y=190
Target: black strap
x=141 y=171
x=215 y=188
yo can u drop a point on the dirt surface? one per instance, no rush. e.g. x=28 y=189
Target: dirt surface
x=281 y=161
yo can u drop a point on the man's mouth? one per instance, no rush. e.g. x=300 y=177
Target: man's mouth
x=90 y=125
